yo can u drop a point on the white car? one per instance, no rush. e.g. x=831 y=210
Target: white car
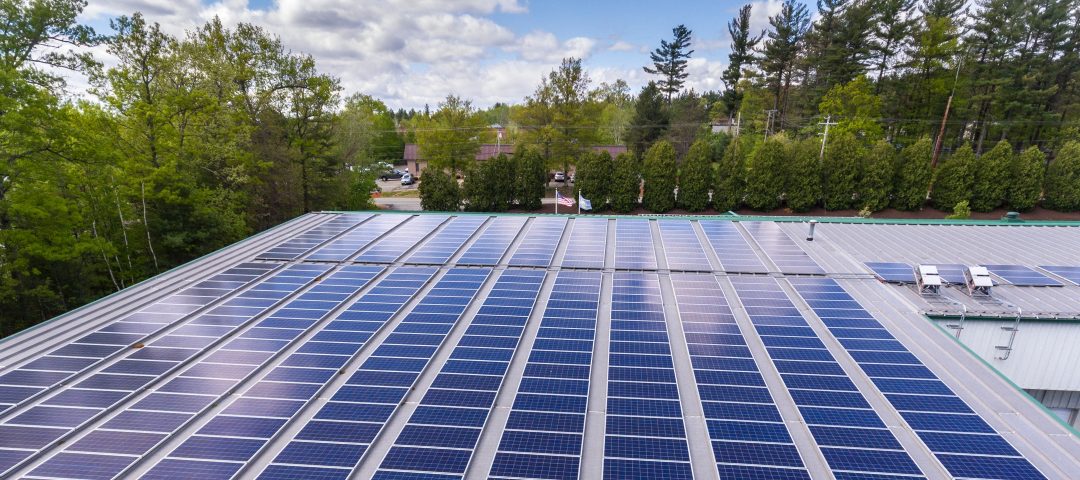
x=560 y=176
x=407 y=179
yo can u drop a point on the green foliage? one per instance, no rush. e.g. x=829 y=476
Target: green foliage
x=913 y=175
x=855 y=109
x=960 y=211
x=803 y=189
x=1025 y=186
x=625 y=183
x=842 y=172
x=767 y=174
x=992 y=169
x=530 y=178
x=659 y=173
x=650 y=119
x=879 y=171
x=593 y=178
x=562 y=115
x=489 y=185
x=695 y=178
x=1063 y=179
x=439 y=191
x=669 y=61
x=729 y=180
x=741 y=54
x=954 y=179
x=450 y=138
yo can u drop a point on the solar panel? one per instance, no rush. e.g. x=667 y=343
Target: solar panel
x=952 y=272
x=788 y=257
x=895 y=272
x=443 y=346
x=1071 y=274
x=1020 y=275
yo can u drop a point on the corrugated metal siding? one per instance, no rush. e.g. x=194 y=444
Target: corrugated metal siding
x=1045 y=355
x=1057 y=399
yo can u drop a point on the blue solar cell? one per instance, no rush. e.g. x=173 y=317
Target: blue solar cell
x=828 y=398
x=83 y=465
x=427 y=459
x=741 y=411
x=242 y=426
x=946 y=422
x=819 y=382
x=218 y=448
x=474 y=366
x=359 y=393
x=53 y=416
x=1022 y=276
x=552 y=467
x=13 y=436
x=748 y=431
x=290 y=472
x=967 y=443
x=900 y=385
x=756 y=453
x=646 y=448
x=841 y=417
x=540 y=442
x=644 y=407
x=749 y=472
x=620 y=468
x=170 y=468
x=320 y=453
x=885 y=461
x=551 y=385
x=927 y=403
x=349 y=432
x=147 y=421
x=989 y=467
x=450 y=416
x=855 y=437
x=550 y=403
x=727 y=393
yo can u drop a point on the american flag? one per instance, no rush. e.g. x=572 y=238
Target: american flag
x=569 y=202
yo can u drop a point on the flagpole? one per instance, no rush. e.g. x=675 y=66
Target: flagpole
x=556 y=201
x=579 y=197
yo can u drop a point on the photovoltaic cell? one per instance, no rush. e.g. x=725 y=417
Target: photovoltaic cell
x=1020 y=275
x=492 y=244
x=1071 y=274
x=681 y=246
x=734 y=252
x=895 y=272
x=446 y=243
x=388 y=248
x=588 y=243
x=788 y=257
x=634 y=245
x=298 y=245
x=541 y=240
x=357 y=239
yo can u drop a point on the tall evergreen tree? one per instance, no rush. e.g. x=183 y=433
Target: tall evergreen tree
x=593 y=177
x=913 y=175
x=625 y=183
x=841 y=169
x=803 y=189
x=669 y=61
x=742 y=55
x=767 y=174
x=954 y=179
x=531 y=177
x=1063 y=179
x=650 y=119
x=782 y=49
x=659 y=173
x=695 y=178
x=892 y=21
x=1025 y=186
x=729 y=182
x=992 y=169
x=879 y=170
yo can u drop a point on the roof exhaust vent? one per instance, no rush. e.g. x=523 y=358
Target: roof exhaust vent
x=978 y=281
x=928 y=280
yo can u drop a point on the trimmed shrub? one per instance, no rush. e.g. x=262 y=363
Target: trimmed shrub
x=803 y=189
x=841 y=171
x=695 y=178
x=913 y=175
x=439 y=191
x=530 y=178
x=766 y=175
x=593 y=178
x=1063 y=179
x=659 y=173
x=625 y=183
x=876 y=184
x=954 y=179
x=1025 y=186
x=729 y=180
x=991 y=178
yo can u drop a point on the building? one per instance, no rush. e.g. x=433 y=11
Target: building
x=415 y=163
x=436 y=346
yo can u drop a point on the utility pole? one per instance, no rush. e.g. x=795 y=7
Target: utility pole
x=945 y=116
x=828 y=122
x=768 y=121
x=738 y=124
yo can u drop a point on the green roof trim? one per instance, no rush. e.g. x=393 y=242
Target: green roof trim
x=767 y=218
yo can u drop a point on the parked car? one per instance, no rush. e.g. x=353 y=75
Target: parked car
x=391 y=175
x=407 y=179
x=560 y=176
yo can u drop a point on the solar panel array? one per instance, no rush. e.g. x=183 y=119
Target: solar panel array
x=895 y=272
x=1022 y=276
x=447 y=347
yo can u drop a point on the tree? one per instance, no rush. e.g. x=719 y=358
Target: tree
x=593 y=177
x=439 y=191
x=730 y=178
x=913 y=175
x=802 y=190
x=782 y=48
x=659 y=174
x=841 y=168
x=767 y=174
x=689 y=120
x=625 y=183
x=669 y=61
x=991 y=186
x=879 y=171
x=695 y=178
x=855 y=108
x=531 y=177
x=742 y=54
x=489 y=185
x=1063 y=179
x=954 y=179
x=650 y=119
x=892 y=25
x=1025 y=186
x=450 y=138
x=560 y=116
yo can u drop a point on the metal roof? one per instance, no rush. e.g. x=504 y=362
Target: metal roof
x=393 y=345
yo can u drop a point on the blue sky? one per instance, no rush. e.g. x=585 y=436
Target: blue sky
x=415 y=52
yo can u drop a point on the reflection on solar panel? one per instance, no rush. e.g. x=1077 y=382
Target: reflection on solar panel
x=588 y=243
x=1022 y=276
x=681 y=246
x=965 y=444
x=393 y=346
x=1071 y=274
x=952 y=272
x=850 y=434
x=734 y=252
x=787 y=256
x=892 y=271
x=634 y=245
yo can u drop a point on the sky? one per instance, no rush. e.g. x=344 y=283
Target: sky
x=409 y=53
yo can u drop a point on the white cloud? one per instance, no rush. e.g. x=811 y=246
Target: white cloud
x=621 y=46
x=545 y=47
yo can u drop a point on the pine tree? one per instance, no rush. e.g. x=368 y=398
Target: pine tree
x=695 y=178
x=741 y=55
x=841 y=171
x=659 y=173
x=782 y=48
x=593 y=178
x=439 y=191
x=954 y=179
x=803 y=189
x=1063 y=179
x=625 y=183
x=669 y=61
x=879 y=171
x=650 y=119
x=729 y=182
x=767 y=174
x=893 y=22
x=991 y=187
x=1025 y=186
x=530 y=178
x=913 y=175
